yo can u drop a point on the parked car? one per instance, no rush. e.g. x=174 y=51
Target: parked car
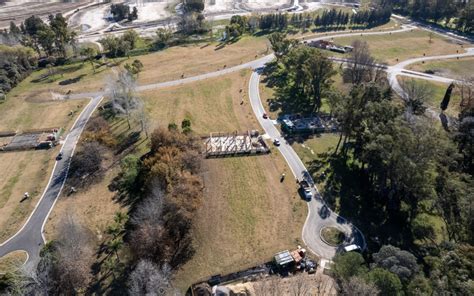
x=265 y=116
x=60 y=156
x=276 y=142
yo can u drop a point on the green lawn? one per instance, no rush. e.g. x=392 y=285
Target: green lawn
x=439 y=90
x=402 y=46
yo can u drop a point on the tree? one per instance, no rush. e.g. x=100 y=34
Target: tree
x=388 y=283
x=186 y=126
x=62 y=35
x=75 y=256
x=357 y=286
x=415 y=94
x=400 y=262
x=163 y=37
x=348 y=265
x=281 y=46
x=147 y=279
x=122 y=92
x=308 y=76
x=447 y=97
x=85 y=163
x=361 y=66
x=90 y=55
x=131 y=36
x=134 y=68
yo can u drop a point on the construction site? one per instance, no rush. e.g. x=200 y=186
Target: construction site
x=26 y=140
x=235 y=144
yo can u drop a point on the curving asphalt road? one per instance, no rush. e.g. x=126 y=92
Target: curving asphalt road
x=319 y=215
x=30 y=237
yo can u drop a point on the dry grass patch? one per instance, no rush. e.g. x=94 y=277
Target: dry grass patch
x=19 y=114
x=213 y=105
x=454 y=68
x=196 y=59
x=12 y=261
x=247 y=214
x=20 y=172
x=402 y=46
x=92 y=207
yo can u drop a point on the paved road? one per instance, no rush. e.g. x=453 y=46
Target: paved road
x=30 y=237
x=314 y=221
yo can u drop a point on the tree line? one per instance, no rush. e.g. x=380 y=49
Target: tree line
x=328 y=19
x=16 y=63
x=393 y=172
x=461 y=13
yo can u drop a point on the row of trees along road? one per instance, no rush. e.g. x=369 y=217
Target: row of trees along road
x=451 y=13
x=402 y=179
x=329 y=19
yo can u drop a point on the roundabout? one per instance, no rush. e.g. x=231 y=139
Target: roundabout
x=332 y=236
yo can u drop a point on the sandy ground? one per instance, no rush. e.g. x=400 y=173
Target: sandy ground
x=227 y=5
x=150 y=11
x=92 y=19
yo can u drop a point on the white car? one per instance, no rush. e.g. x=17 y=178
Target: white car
x=276 y=142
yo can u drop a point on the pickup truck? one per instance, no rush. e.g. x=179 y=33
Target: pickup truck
x=307 y=190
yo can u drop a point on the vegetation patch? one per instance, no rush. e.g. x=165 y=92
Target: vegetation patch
x=332 y=236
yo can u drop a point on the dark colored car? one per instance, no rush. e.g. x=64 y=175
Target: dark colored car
x=60 y=156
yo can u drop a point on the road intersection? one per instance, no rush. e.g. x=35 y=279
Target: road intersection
x=30 y=237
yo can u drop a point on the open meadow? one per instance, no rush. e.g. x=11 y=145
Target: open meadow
x=397 y=47
x=247 y=214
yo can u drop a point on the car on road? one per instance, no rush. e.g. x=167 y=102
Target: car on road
x=276 y=142
x=307 y=190
x=265 y=116
x=351 y=248
x=60 y=156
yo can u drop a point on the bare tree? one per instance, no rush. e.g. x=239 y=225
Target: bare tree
x=148 y=279
x=465 y=89
x=75 y=255
x=356 y=286
x=122 y=92
x=362 y=66
x=415 y=94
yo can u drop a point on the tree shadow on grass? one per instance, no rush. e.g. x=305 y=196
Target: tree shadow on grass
x=346 y=190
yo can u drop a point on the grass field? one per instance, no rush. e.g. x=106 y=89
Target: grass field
x=402 y=46
x=448 y=68
x=20 y=172
x=439 y=90
x=160 y=66
x=247 y=214
x=196 y=59
x=28 y=171
x=12 y=261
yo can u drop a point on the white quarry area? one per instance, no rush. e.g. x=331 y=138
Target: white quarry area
x=152 y=10
x=229 y=5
